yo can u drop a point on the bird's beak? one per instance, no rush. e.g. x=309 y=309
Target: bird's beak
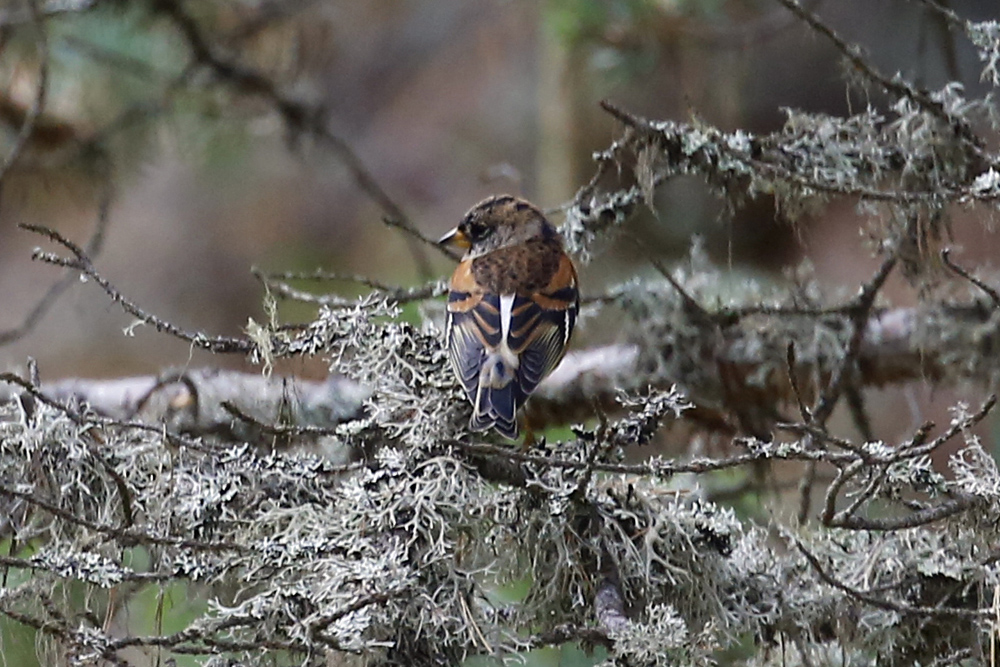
x=455 y=237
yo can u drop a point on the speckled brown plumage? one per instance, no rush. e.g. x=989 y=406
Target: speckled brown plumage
x=520 y=269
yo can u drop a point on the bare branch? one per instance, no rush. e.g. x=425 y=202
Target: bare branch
x=298 y=117
x=81 y=262
x=989 y=291
x=860 y=312
x=43 y=305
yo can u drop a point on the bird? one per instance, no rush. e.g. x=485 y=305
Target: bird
x=512 y=306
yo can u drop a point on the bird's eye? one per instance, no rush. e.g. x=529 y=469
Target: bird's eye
x=479 y=231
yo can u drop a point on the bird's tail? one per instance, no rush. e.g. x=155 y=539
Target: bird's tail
x=497 y=399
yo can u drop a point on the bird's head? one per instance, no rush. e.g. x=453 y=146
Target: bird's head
x=498 y=222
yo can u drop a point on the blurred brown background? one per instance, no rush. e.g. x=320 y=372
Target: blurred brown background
x=445 y=101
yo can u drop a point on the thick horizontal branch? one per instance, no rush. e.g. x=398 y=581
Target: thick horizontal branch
x=203 y=402
x=928 y=343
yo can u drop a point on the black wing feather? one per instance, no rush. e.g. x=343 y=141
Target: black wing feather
x=539 y=337
x=472 y=334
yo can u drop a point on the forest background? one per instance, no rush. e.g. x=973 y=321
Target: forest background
x=761 y=191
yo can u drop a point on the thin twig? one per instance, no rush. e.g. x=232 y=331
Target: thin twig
x=859 y=414
x=284 y=430
x=43 y=305
x=844 y=475
x=81 y=262
x=126 y=537
x=897 y=85
x=963 y=503
x=36 y=564
x=861 y=310
x=951 y=17
x=626 y=117
x=793 y=380
x=690 y=303
x=767 y=155
x=805 y=490
x=656 y=468
x=277 y=283
x=882 y=603
x=298 y=117
x=415 y=234
x=989 y=291
x=916 y=448
x=567 y=633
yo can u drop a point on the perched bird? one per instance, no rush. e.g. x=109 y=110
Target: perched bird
x=511 y=309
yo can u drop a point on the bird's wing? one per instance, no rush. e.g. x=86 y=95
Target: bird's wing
x=473 y=328
x=540 y=328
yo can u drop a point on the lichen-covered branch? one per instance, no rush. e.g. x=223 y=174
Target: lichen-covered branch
x=945 y=344
x=312 y=520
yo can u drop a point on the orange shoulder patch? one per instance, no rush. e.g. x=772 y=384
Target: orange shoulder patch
x=565 y=276
x=465 y=293
x=462 y=280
